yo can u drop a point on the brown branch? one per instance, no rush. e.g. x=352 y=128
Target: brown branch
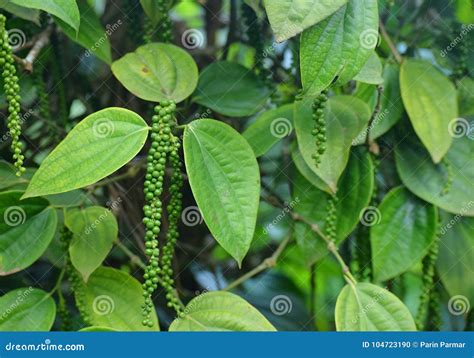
x=390 y=43
x=41 y=41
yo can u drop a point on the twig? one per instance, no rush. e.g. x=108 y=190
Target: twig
x=390 y=43
x=269 y=262
x=41 y=41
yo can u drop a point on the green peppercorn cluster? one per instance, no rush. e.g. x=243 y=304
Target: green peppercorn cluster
x=319 y=129
x=449 y=177
x=174 y=212
x=43 y=101
x=331 y=217
x=429 y=262
x=74 y=278
x=462 y=51
x=12 y=92
x=163 y=144
x=434 y=309
x=164 y=31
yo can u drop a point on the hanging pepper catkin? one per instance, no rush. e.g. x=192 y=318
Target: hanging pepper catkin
x=12 y=93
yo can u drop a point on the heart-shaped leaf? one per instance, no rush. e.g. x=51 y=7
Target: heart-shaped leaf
x=26 y=229
x=220 y=311
x=289 y=17
x=431 y=102
x=157 y=72
x=225 y=180
x=94 y=231
x=27 y=309
x=230 y=89
x=428 y=180
x=406 y=225
x=367 y=307
x=338 y=46
x=96 y=147
x=345 y=118
x=113 y=299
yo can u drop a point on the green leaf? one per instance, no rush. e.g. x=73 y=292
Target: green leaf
x=427 y=180
x=346 y=116
x=367 y=307
x=431 y=102
x=220 y=311
x=8 y=176
x=338 y=46
x=20 y=11
x=289 y=17
x=27 y=309
x=354 y=194
x=371 y=72
x=91 y=35
x=306 y=171
x=94 y=231
x=230 y=89
x=465 y=11
x=157 y=72
x=113 y=299
x=26 y=229
x=225 y=180
x=456 y=255
x=151 y=8
x=405 y=226
x=66 y=10
x=97 y=329
x=269 y=128
x=96 y=147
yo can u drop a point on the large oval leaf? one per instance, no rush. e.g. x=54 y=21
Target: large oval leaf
x=305 y=170
x=431 y=102
x=114 y=299
x=157 y=72
x=407 y=227
x=225 y=180
x=427 y=180
x=230 y=89
x=91 y=35
x=367 y=307
x=27 y=309
x=66 y=10
x=345 y=118
x=456 y=255
x=269 y=128
x=355 y=191
x=94 y=231
x=26 y=229
x=289 y=17
x=338 y=46
x=220 y=311
x=96 y=147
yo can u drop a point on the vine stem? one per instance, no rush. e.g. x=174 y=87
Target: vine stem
x=58 y=283
x=375 y=113
x=269 y=262
x=390 y=43
x=275 y=201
